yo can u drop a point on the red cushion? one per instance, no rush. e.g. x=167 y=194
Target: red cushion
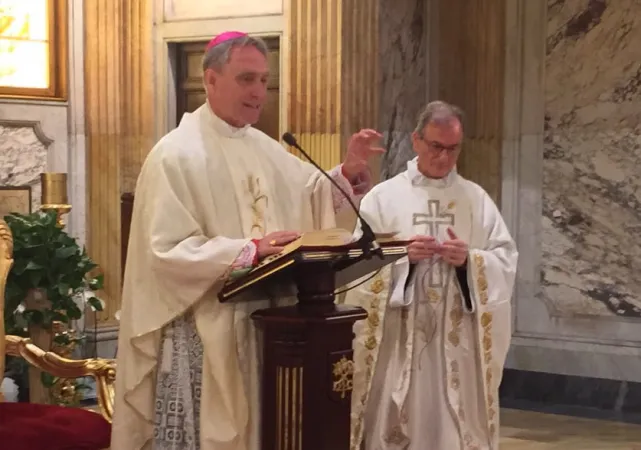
x=28 y=426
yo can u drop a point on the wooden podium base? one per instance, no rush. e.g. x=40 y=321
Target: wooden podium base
x=307 y=356
x=308 y=366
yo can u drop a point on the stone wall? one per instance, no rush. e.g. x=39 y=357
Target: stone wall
x=569 y=194
x=591 y=176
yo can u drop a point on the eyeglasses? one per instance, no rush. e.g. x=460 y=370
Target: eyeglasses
x=439 y=147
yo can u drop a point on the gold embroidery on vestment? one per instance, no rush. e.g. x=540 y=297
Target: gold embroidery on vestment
x=377 y=286
x=455 y=380
x=486 y=324
x=257 y=198
x=373 y=321
x=481 y=279
x=456 y=319
x=433 y=296
x=370 y=343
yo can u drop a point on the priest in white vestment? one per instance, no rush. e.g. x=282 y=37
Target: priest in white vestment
x=213 y=195
x=430 y=356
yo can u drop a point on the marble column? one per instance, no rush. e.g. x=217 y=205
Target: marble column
x=119 y=118
x=332 y=74
x=403 y=80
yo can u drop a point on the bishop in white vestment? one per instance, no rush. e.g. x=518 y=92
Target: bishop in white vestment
x=429 y=358
x=213 y=195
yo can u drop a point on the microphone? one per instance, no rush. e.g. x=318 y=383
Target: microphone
x=367 y=241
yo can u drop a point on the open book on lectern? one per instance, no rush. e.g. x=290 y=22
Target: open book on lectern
x=336 y=247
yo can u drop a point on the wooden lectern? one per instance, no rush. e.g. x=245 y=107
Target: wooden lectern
x=307 y=348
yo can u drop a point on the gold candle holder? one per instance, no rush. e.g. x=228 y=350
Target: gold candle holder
x=54 y=194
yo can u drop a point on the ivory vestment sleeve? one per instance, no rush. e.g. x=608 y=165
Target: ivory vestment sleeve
x=491 y=275
x=499 y=257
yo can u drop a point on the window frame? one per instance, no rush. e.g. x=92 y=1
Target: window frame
x=58 y=51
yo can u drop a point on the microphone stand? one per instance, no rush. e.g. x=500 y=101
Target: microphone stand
x=367 y=241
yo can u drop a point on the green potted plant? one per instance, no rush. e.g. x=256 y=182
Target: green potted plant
x=52 y=269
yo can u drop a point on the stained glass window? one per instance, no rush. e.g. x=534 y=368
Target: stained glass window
x=29 y=35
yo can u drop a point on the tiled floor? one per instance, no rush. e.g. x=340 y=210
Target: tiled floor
x=525 y=430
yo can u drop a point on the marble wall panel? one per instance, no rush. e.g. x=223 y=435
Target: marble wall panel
x=568 y=215
x=33 y=139
x=23 y=156
x=592 y=151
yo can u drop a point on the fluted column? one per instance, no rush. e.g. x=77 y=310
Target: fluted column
x=118 y=76
x=138 y=89
x=469 y=64
x=333 y=73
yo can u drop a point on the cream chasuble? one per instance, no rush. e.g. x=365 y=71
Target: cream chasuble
x=204 y=191
x=428 y=359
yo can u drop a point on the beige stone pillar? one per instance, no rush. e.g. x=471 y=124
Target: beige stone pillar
x=119 y=118
x=333 y=78
x=468 y=64
x=333 y=73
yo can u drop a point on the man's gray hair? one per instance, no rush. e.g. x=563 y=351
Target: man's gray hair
x=217 y=56
x=438 y=112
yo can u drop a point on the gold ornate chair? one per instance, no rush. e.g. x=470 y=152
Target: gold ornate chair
x=35 y=426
